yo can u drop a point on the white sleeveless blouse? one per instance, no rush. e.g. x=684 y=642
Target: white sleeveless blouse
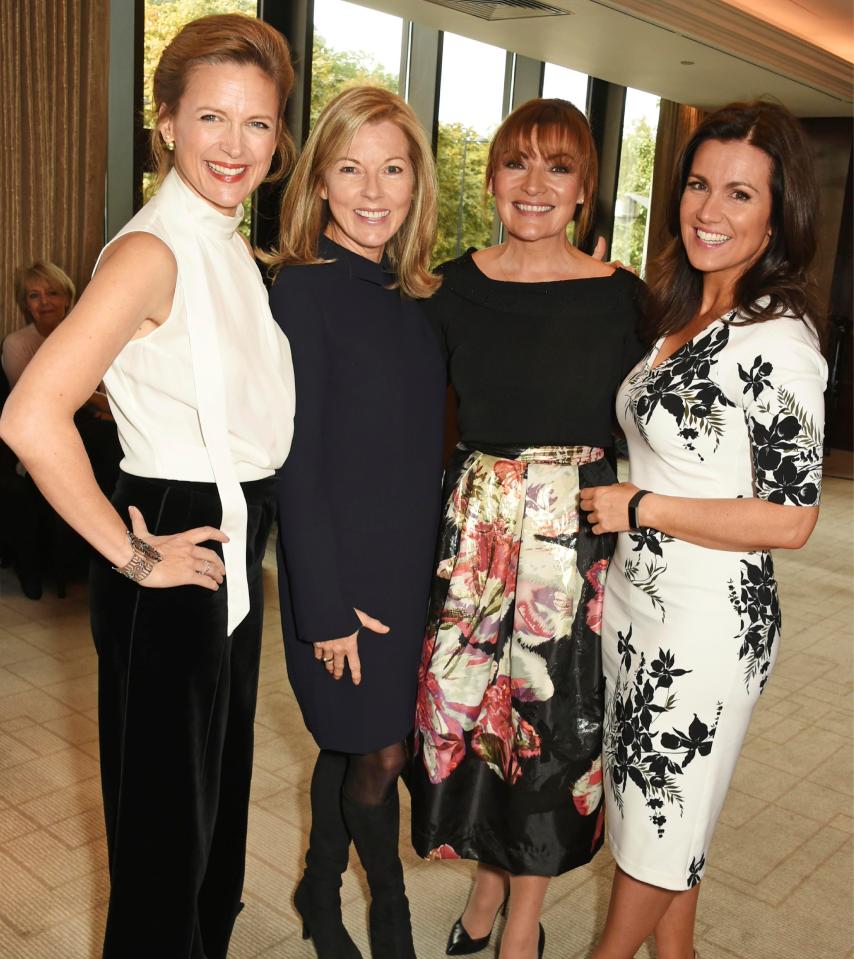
x=209 y=394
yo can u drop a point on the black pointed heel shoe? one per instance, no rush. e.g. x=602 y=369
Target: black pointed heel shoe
x=460 y=943
x=541 y=945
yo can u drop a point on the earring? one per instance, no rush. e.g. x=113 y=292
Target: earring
x=169 y=144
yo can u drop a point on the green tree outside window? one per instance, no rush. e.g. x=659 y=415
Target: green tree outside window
x=634 y=187
x=465 y=216
x=334 y=70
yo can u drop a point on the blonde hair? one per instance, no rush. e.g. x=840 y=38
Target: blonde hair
x=49 y=273
x=561 y=130
x=305 y=214
x=222 y=38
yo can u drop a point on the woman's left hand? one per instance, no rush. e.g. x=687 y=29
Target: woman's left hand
x=607 y=507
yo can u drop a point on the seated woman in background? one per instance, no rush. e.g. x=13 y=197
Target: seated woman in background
x=359 y=495
x=537 y=335
x=176 y=321
x=724 y=420
x=37 y=540
x=44 y=295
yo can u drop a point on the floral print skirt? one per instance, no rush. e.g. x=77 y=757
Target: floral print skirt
x=508 y=732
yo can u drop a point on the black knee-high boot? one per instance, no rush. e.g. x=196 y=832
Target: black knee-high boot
x=318 y=895
x=375 y=831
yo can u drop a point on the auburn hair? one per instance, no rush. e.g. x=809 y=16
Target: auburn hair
x=779 y=281
x=222 y=38
x=304 y=214
x=561 y=131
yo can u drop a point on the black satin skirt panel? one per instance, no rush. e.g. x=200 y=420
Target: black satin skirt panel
x=176 y=710
x=508 y=736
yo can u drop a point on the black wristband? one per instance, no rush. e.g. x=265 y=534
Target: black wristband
x=633 y=508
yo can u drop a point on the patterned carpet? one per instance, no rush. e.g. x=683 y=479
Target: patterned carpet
x=780 y=876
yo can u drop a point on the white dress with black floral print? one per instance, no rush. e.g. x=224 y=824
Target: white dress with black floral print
x=690 y=634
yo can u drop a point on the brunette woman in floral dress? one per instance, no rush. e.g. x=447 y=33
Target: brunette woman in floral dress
x=724 y=420
x=537 y=335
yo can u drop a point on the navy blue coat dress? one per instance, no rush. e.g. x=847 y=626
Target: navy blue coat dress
x=360 y=492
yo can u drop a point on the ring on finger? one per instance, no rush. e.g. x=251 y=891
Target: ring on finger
x=328 y=659
x=206 y=566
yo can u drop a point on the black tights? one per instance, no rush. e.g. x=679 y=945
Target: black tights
x=354 y=798
x=369 y=778
x=372 y=777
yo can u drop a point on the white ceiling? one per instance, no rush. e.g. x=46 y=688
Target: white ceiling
x=733 y=54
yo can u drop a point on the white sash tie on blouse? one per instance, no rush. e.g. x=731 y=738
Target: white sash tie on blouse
x=209 y=395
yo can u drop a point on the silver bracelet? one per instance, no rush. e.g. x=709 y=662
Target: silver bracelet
x=141 y=562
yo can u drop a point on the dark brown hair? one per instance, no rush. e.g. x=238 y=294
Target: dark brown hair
x=781 y=273
x=562 y=130
x=222 y=38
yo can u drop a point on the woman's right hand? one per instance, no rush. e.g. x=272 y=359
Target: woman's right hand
x=184 y=562
x=333 y=652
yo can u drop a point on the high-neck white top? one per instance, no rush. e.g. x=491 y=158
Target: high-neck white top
x=209 y=394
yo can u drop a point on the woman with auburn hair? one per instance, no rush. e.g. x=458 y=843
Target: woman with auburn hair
x=724 y=420
x=175 y=321
x=536 y=335
x=359 y=495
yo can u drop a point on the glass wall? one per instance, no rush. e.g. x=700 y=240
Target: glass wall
x=352 y=44
x=566 y=84
x=634 y=186
x=469 y=113
x=163 y=19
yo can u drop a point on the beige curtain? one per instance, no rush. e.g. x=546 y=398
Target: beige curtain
x=53 y=143
x=676 y=123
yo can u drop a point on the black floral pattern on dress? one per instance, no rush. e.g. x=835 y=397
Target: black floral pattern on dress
x=644 y=574
x=695 y=870
x=758 y=606
x=756 y=379
x=788 y=450
x=683 y=386
x=636 y=752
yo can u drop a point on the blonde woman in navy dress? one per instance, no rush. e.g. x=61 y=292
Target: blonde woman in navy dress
x=359 y=495
x=724 y=419
x=176 y=322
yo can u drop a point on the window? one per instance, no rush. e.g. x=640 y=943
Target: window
x=163 y=19
x=634 y=185
x=352 y=44
x=566 y=84
x=471 y=91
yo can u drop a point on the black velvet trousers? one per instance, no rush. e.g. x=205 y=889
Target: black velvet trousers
x=176 y=712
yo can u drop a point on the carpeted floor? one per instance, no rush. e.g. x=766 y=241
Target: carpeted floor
x=778 y=885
